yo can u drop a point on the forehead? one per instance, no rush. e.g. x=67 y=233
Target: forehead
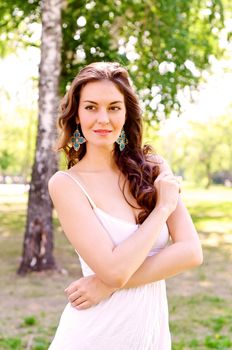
x=101 y=90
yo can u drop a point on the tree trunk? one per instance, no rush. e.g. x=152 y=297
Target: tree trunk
x=208 y=175
x=38 y=239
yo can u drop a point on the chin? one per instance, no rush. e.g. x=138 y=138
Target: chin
x=104 y=145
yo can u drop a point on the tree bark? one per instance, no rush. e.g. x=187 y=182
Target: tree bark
x=38 y=239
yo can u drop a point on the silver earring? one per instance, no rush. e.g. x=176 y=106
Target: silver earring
x=77 y=139
x=122 y=140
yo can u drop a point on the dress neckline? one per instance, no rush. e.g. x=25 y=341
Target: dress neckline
x=115 y=217
x=92 y=203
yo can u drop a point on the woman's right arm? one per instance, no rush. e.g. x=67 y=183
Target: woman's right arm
x=114 y=265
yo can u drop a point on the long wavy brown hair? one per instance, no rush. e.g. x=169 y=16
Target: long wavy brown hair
x=134 y=161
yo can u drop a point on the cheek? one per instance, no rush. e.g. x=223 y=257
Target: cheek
x=86 y=123
x=120 y=117
x=84 y=119
x=121 y=120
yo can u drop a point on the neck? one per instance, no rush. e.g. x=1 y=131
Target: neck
x=99 y=159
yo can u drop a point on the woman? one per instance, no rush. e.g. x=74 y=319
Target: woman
x=117 y=204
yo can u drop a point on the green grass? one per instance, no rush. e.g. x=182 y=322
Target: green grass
x=10 y=343
x=18 y=344
x=30 y=321
x=200 y=300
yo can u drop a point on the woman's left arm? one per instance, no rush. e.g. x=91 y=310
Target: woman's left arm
x=184 y=253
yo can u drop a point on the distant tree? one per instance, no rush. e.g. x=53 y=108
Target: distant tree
x=225 y=125
x=165 y=44
x=16 y=24
x=38 y=239
x=201 y=150
x=209 y=149
x=6 y=158
x=18 y=131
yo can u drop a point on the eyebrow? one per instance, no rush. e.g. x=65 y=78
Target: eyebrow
x=112 y=103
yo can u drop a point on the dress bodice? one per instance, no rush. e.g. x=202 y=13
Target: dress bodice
x=118 y=230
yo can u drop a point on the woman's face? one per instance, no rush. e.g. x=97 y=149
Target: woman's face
x=101 y=113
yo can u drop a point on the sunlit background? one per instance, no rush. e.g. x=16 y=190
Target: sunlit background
x=207 y=108
x=192 y=131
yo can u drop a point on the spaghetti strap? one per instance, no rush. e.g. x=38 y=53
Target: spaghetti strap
x=93 y=205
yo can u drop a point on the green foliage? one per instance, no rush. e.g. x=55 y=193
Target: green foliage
x=17 y=344
x=193 y=343
x=200 y=310
x=40 y=344
x=30 y=321
x=217 y=341
x=16 y=24
x=164 y=44
x=6 y=158
x=209 y=149
x=219 y=322
x=198 y=149
x=214 y=341
x=10 y=344
x=18 y=142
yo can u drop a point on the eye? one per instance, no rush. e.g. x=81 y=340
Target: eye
x=90 y=107
x=115 y=108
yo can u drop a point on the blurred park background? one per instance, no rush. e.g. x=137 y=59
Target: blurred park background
x=179 y=54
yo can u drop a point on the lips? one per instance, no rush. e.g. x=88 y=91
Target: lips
x=102 y=132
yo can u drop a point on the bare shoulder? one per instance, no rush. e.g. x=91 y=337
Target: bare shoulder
x=162 y=163
x=81 y=224
x=56 y=180
x=59 y=178
x=61 y=187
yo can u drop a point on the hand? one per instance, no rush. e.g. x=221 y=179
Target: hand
x=167 y=188
x=88 y=291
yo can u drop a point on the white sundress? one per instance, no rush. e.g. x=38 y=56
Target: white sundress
x=130 y=319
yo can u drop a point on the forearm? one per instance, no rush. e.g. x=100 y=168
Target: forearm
x=132 y=252
x=171 y=261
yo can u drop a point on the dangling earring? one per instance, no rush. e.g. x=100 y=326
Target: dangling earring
x=122 y=140
x=77 y=139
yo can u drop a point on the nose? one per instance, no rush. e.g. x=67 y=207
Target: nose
x=103 y=117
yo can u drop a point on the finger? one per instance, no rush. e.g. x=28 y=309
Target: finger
x=71 y=288
x=74 y=285
x=175 y=178
x=178 y=178
x=175 y=182
x=163 y=176
x=79 y=301
x=84 y=305
x=74 y=296
x=165 y=173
